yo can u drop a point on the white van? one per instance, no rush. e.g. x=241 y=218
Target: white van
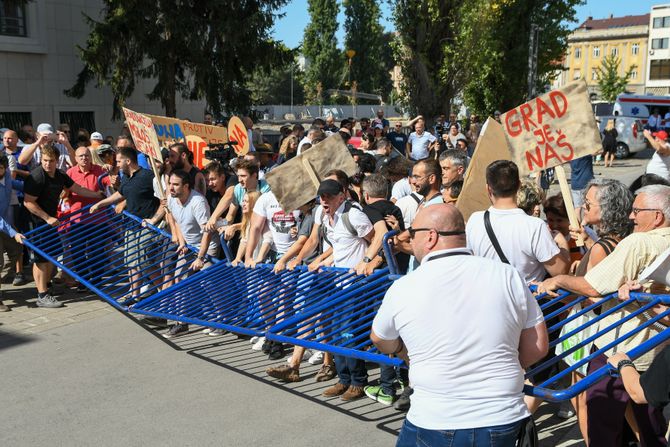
x=641 y=106
x=630 y=138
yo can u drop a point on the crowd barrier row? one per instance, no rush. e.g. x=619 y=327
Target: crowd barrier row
x=331 y=310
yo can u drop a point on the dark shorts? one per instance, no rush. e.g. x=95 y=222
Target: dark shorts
x=48 y=240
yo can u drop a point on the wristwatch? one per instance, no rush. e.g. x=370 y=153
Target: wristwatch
x=623 y=364
x=202 y=258
x=366 y=259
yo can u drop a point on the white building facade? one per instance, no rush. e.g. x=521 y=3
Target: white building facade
x=658 y=60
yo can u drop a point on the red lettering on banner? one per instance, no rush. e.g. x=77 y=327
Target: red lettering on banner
x=526 y=112
x=239 y=135
x=543 y=109
x=537 y=159
x=550 y=153
x=565 y=145
x=512 y=123
x=559 y=101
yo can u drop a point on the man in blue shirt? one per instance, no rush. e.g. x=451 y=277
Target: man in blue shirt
x=582 y=174
x=9 y=238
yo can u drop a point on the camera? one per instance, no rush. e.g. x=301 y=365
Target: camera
x=223 y=153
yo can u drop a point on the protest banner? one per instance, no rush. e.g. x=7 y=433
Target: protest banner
x=491 y=146
x=174 y=129
x=146 y=141
x=237 y=132
x=198 y=147
x=552 y=129
x=296 y=182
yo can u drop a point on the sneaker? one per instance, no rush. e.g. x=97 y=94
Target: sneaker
x=377 y=394
x=48 y=301
x=306 y=354
x=19 y=280
x=176 y=330
x=267 y=345
x=207 y=330
x=284 y=373
x=3 y=307
x=326 y=373
x=336 y=390
x=353 y=393
x=254 y=339
x=259 y=344
x=565 y=413
x=216 y=332
x=316 y=358
x=276 y=351
x=402 y=404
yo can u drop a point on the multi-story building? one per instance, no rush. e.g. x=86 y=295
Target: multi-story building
x=658 y=62
x=624 y=37
x=38 y=61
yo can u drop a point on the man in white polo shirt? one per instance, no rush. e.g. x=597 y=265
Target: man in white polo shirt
x=467 y=381
x=523 y=241
x=420 y=142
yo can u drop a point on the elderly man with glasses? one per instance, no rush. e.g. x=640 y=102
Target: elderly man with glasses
x=607 y=401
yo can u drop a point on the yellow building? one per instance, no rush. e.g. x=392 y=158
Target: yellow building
x=625 y=37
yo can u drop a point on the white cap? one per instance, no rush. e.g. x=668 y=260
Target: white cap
x=97 y=136
x=45 y=128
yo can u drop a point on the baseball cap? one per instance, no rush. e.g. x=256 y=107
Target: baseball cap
x=45 y=128
x=662 y=134
x=104 y=148
x=329 y=187
x=97 y=136
x=379 y=126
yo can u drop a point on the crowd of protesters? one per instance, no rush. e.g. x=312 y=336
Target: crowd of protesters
x=467 y=341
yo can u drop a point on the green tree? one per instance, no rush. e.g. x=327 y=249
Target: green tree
x=610 y=83
x=274 y=86
x=365 y=35
x=324 y=61
x=205 y=49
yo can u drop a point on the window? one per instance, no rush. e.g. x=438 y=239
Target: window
x=12 y=19
x=635 y=48
x=78 y=120
x=659 y=44
x=14 y=120
x=615 y=51
x=596 y=51
x=577 y=75
x=661 y=22
x=659 y=69
x=594 y=74
x=578 y=53
x=633 y=73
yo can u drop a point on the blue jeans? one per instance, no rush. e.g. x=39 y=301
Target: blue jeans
x=389 y=374
x=497 y=436
x=351 y=371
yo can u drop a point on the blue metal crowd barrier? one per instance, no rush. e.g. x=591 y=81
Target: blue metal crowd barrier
x=331 y=310
x=99 y=249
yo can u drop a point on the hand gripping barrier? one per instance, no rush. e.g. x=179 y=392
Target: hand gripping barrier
x=99 y=250
x=640 y=309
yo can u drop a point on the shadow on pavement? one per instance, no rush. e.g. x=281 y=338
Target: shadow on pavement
x=12 y=339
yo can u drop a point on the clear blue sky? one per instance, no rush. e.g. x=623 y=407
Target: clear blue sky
x=290 y=28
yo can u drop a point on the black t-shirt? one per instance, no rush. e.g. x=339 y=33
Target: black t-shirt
x=47 y=189
x=138 y=190
x=656 y=382
x=380 y=209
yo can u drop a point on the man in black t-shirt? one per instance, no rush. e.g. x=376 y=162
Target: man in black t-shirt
x=138 y=191
x=42 y=190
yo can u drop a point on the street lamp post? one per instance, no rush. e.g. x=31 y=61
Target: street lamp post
x=350 y=55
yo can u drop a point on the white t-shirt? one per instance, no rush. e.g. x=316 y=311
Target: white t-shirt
x=420 y=144
x=279 y=222
x=302 y=142
x=348 y=250
x=525 y=240
x=401 y=188
x=659 y=165
x=462 y=335
x=191 y=218
x=409 y=206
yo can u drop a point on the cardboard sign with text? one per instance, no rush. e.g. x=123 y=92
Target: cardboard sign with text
x=143 y=133
x=491 y=146
x=237 y=132
x=295 y=182
x=198 y=147
x=173 y=129
x=552 y=129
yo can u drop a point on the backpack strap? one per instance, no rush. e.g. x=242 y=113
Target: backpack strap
x=416 y=199
x=322 y=232
x=345 y=218
x=493 y=238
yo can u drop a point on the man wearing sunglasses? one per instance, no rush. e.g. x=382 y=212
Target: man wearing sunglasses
x=467 y=380
x=607 y=401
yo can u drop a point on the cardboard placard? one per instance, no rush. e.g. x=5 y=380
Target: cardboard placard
x=296 y=182
x=552 y=129
x=143 y=133
x=237 y=132
x=197 y=146
x=173 y=129
x=491 y=146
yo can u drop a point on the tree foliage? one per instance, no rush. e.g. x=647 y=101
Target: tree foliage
x=324 y=61
x=478 y=48
x=610 y=83
x=365 y=35
x=199 y=49
x=274 y=86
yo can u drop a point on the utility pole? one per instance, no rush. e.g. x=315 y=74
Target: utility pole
x=533 y=48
